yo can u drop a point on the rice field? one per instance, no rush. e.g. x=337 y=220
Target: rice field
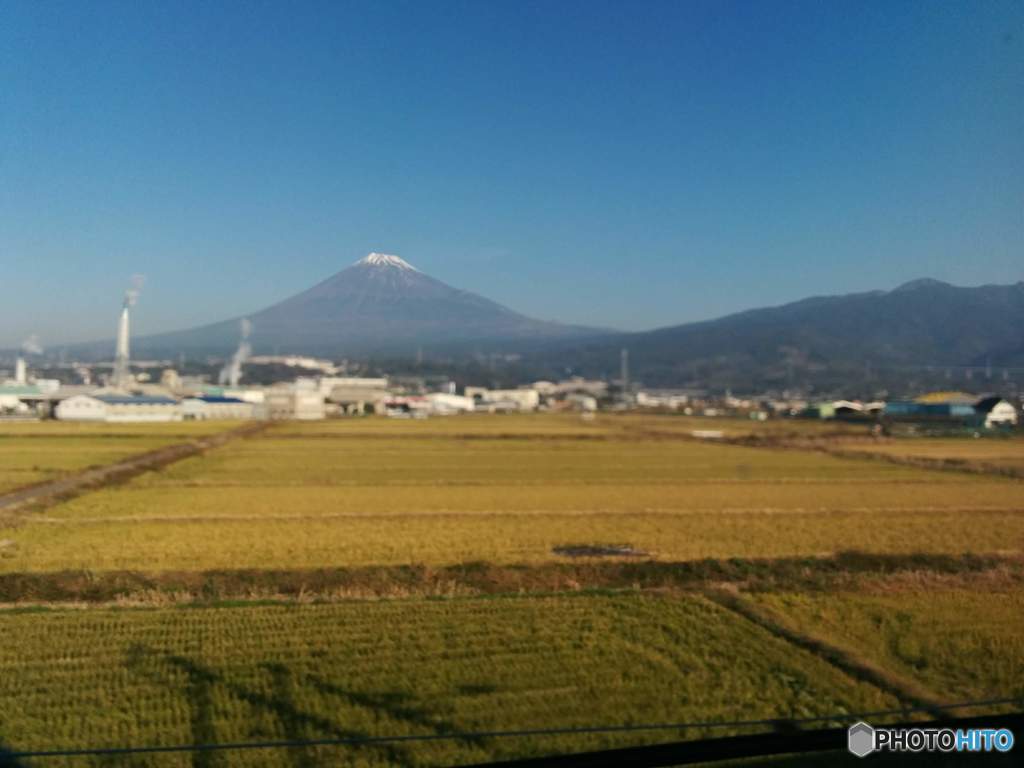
x=999 y=453
x=963 y=644
x=34 y=452
x=570 y=425
x=130 y=677
x=513 y=493
x=445 y=491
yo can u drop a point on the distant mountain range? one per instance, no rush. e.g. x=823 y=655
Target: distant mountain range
x=925 y=330
x=383 y=307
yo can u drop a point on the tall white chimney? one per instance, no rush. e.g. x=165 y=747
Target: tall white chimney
x=122 y=371
x=20 y=371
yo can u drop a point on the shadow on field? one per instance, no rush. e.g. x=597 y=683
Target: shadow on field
x=7 y=760
x=889 y=760
x=394 y=704
x=282 y=702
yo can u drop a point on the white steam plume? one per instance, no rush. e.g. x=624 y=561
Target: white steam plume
x=231 y=373
x=132 y=294
x=31 y=345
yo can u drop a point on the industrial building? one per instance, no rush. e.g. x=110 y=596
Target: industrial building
x=496 y=400
x=214 y=407
x=294 y=403
x=118 y=408
x=356 y=401
x=989 y=411
x=444 y=404
x=20 y=399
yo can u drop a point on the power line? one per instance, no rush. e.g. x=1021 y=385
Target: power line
x=477 y=735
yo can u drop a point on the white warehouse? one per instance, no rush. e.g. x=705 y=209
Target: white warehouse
x=208 y=407
x=118 y=408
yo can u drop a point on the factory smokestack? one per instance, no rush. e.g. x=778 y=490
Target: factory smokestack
x=121 y=378
x=29 y=346
x=231 y=373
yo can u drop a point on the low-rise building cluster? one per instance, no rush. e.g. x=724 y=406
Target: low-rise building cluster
x=934 y=409
x=317 y=391
x=321 y=390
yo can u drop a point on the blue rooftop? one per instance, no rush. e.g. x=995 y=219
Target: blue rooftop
x=218 y=399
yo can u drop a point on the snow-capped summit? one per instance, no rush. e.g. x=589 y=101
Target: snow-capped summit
x=386 y=260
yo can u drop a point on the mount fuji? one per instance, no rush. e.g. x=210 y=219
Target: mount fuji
x=381 y=305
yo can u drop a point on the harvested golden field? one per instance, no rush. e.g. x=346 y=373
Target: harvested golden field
x=139 y=677
x=999 y=453
x=444 y=491
x=316 y=515
x=465 y=425
x=440 y=539
x=178 y=430
x=571 y=425
x=546 y=460
x=961 y=643
x=34 y=452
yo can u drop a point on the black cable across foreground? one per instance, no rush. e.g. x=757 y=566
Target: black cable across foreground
x=764 y=744
x=472 y=735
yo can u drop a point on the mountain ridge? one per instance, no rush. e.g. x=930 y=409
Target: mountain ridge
x=825 y=339
x=383 y=307
x=380 y=304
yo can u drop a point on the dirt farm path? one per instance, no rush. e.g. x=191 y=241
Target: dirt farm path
x=133 y=465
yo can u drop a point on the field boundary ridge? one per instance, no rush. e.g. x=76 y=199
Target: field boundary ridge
x=847 y=570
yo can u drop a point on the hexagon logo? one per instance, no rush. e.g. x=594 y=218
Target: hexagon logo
x=860 y=739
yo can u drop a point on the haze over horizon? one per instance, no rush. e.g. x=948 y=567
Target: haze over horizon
x=586 y=163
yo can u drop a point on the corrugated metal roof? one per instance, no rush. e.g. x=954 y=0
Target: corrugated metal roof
x=218 y=399
x=134 y=400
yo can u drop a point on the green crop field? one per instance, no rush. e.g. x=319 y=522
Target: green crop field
x=34 y=452
x=101 y=677
x=510 y=525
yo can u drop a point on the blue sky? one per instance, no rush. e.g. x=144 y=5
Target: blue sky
x=630 y=164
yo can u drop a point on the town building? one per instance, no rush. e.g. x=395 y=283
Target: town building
x=997 y=412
